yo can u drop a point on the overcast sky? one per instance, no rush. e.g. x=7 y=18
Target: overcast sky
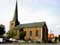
x=32 y=11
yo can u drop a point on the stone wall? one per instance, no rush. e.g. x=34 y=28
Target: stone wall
x=33 y=37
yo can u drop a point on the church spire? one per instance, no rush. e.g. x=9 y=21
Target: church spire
x=16 y=15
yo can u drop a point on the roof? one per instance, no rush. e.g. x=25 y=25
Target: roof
x=15 y=18
x=36 y=24
x=16 y=13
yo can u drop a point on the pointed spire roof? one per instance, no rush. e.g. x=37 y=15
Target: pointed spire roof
x=16 y=13
x=15 y=18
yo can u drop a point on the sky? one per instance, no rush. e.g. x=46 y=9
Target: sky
x=30 y=11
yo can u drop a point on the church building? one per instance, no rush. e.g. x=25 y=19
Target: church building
x=34 y=31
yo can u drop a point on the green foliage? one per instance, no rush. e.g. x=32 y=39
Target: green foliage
x=56 y=38
x=22 y=35
x=59 y=38
x=11 y=34
x=2 y=29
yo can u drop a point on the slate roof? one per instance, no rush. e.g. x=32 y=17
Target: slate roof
x=16 y=13
x=15 y=18
x=36 y=24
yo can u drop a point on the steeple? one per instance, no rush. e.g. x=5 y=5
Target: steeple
x=15 y=18
x=16 y=13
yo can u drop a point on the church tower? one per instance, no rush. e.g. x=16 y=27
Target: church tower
x=15 y=21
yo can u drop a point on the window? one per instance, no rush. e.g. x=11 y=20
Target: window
x=30 y=33
x=36 y=33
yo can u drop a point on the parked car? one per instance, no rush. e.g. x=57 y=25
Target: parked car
x=13 y=40
x=2 y=40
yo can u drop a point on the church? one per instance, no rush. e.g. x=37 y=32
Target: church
x=34 y=31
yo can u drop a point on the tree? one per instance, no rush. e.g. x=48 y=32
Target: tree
x=22 y=34
x=11 y=34
x=59 y=38
x=56 y=39
x=2 y=29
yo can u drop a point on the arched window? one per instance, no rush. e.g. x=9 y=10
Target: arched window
x=30 y=33
x=36 y=32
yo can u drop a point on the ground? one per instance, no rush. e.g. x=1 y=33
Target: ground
x=31 y=44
